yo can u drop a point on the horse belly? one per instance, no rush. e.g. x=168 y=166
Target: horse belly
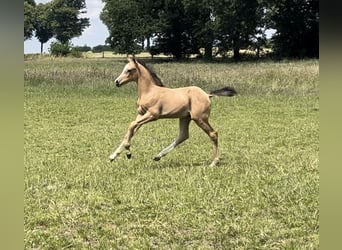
x=175 y=113
x=175 y=107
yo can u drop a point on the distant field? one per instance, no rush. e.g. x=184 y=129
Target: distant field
x=264 y=194
x=91 y=55
x=110 y=54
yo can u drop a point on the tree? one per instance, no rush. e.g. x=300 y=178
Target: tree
x=237 y=23
x=149 y=11
x=297 y=25
x=202 y=28
x=172 y=37
x=190 y=25
x=43 y=29
x=129 y=23
x=65 y=20
x=179 y=27
x=29 y=12
x=184 y=27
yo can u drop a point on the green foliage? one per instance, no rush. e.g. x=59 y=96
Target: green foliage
x=66 y=49
x=101 y=48
x=29 y=21
x=297 y=25
x=60 y=49
x=154 y=50
x=75 y=52
x=65 y=19
x=184 y=27
x=124 y=21
x=58 y=18
x=181 y=27
x=84 y=48
x=202 y=25
x=264 y=195
x=237 y=22
x=42 y=25
x=172 y=38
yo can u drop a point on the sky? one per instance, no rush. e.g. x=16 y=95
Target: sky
x=94 y=35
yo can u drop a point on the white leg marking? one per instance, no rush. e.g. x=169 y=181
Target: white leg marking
x=183 y=135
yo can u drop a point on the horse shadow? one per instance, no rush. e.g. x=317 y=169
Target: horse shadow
x=172 y=164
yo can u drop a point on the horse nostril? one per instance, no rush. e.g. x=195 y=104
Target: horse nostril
x=117 y=83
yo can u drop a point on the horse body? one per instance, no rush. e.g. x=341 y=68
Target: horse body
x=181 y=104
x=157 y=102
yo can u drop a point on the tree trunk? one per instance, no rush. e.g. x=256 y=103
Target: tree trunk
x=208 y=52
x=236 y=48
x=258 y=51
x=41 y=48
x=236 y=53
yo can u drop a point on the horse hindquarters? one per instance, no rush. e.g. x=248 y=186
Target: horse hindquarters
x=200 y=112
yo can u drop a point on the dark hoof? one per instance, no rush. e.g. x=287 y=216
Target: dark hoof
x=129 y=155
x=156 y=158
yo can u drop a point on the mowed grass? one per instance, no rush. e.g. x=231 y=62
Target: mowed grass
x=264 y=194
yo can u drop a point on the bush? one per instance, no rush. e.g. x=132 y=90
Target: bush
x=60 y=49
x=84 y=48
x=101 y=48
x=75 y=52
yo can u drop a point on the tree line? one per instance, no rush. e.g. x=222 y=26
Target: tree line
x=186 y=27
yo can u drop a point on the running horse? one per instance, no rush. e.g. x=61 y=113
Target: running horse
x=155 y=101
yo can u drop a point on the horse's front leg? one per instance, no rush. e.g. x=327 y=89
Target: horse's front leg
x=132 y=129
x=124 y=145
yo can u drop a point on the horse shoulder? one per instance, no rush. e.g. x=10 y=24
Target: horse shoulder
x=148 y=103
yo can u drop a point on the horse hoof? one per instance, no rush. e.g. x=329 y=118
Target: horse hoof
x=214 y=163
x=157 y=158
x=129 y=155
x=112 y=157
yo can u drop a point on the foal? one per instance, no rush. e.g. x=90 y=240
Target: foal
x=156 y=101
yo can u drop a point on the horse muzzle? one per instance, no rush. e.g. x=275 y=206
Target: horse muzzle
x=117 y=83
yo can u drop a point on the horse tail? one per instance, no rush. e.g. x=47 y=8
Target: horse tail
x=225 y=91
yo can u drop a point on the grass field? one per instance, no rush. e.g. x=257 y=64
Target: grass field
x=264 y=194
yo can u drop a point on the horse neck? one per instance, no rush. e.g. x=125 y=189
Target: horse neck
x=145 y=82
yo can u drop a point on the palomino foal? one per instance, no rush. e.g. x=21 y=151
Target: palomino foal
x=156 y=101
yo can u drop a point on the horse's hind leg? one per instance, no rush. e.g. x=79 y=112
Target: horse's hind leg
x=204 y=124
x=183 y=135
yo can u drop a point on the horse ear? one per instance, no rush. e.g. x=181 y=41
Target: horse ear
x=132 y=58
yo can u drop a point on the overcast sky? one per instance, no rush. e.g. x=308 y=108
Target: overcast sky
x=95 y=34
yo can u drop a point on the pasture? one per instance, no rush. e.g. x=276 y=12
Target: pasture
x=263 y=195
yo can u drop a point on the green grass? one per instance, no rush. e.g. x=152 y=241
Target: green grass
x=264 y=194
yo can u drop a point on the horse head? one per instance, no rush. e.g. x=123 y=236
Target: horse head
x=129 y=73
